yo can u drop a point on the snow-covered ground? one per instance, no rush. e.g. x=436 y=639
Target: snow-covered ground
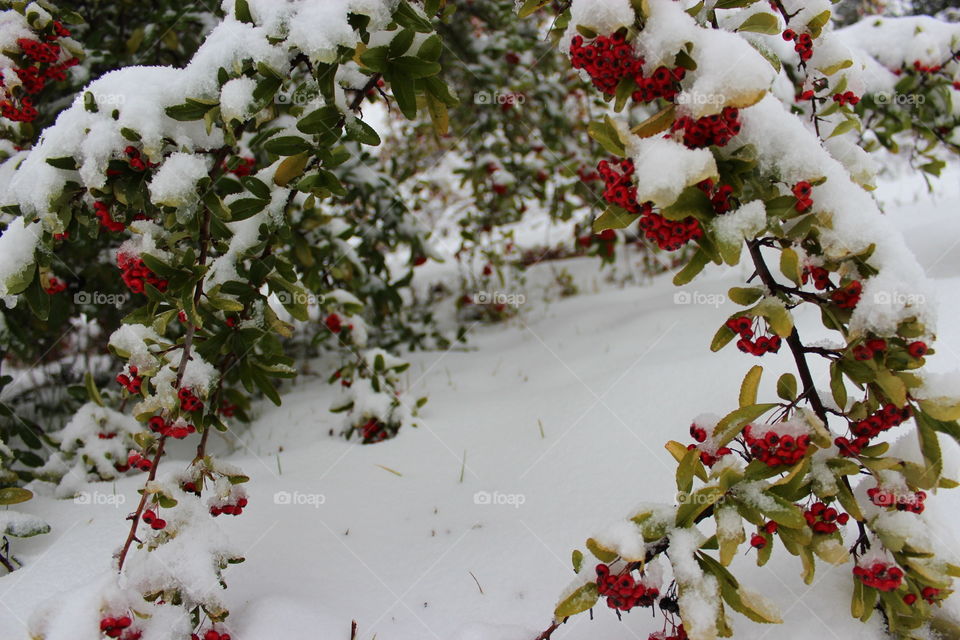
x=535 y=436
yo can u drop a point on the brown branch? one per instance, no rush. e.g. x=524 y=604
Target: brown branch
x=797 y=347
x=135 y=518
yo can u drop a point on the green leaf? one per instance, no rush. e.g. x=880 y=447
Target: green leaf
x=606 y=134
x=290 y=169
x=407 y=16
x=893 y=387
x=930 y=447
x=404 y=91
x=761 y=23
x=287 y=145
x=787 y=387
x=247 y=208
x=697 y=263
x=782 y=510
x=323 y=122
x=657 y=123
x=722 y=338
x=577 y=602
x=790 y=265
x=242 y=11
x=817 y=24
x=363 y=133
x=14 y=495
x=530 y=7
x=750 y=385
x=602 y=553
x=692 y=201
x=749 y=604
x=614 y=218
x=414 y=67
x=401 y=43
x=837 y=387
x=93 y=393
x=745 y=296
x=847 y=125
x=730 y=426
x=190 y=110
x=67 y=163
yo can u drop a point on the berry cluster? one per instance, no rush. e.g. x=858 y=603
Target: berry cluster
x=211 y=634
x=870 y=427
x=136 y=275
x=609 y=59
x=617 y=176
x=848 y=97
x=102 y=212
x=176 y=430
x=114 y=627
x=869 y=349
x=775 y=449
x=847 y=296
x=333 y=323
x=373 y=430
x=669 y=235
x=229 y=508
x=137 y=461
x=930 y=594
x=824 y=519
x=32 y=77
x=803 y=43
x=39 y=51
x=880 y=576
x=922 y=68
x=622 y=591
x=719 y=195
x=55 y=285
x=245 y=168
x=914 y=502
x=136 y=161
x=151 y=518
x=821 y=277
x=743 y=326
x=801 y=191
x=132 y=382
x=700 y=435
x=717 y=129
x=189 y=402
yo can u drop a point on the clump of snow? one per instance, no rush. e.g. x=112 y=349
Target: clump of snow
x=746 y=222
x=320 y=27
x=896 y=42
x=729 y=71
x=602 y=17
x=665 y=167
x=699 y=593
x=137 y=343
x=175 y=183
x=236 y=98
x=21 y=525
x=851 y=217
x=17 y=246
x=626 y=538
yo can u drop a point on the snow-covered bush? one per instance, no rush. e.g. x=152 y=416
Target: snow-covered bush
x=712 y=152
x=215 y=195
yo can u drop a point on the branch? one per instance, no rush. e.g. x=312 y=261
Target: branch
x=793 y=340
